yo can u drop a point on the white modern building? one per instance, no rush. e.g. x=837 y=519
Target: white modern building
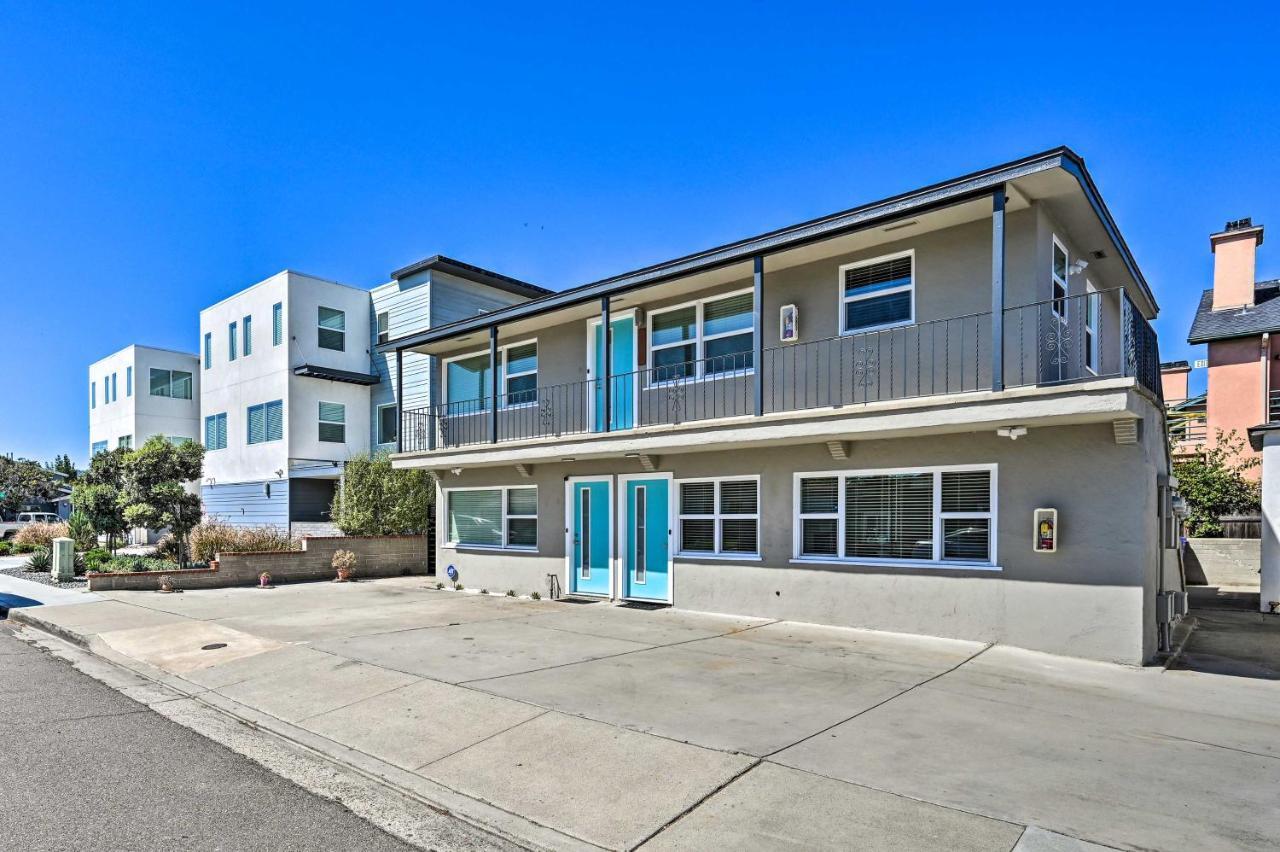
x=291 y=387
x=142 y=391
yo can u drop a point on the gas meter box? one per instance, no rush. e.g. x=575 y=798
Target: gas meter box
x=1045 y=530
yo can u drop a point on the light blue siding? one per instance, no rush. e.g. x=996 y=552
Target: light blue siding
x=247 y=504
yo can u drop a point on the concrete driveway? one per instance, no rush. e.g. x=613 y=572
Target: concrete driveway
x=586 y=725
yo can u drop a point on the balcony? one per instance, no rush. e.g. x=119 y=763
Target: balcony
x=1074 y=340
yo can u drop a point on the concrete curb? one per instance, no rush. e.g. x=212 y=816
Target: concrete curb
x=154 y=688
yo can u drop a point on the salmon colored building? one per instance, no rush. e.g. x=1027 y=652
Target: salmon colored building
x=1239 y=320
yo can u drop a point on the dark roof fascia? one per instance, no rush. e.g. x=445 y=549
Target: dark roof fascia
x=928 y=198
x=335 y=375
x=1256 y=433
x=473 y=273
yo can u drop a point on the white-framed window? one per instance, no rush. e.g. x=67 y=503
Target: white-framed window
x=171 y=383
x=247 y=322
x=114 y=387
x=928 y=516
x=93 y=394
x=125 y=442
x=504 y=518
x=709 y=337
x=467 y=378
x=128 y=381
x=277 y=323
x=231 y=341
x=384 y=327
x=719 y=517
x=208 y=349
x=1092 y=305
x=331 y=331
x=333 y=423
x=264 y=422
x=388 y=423
x=1060 y=271
x=877 y=293
x=215 y=431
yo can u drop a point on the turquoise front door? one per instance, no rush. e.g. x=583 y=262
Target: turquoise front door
x=622 y=377
x=590 y=539
x=646 y=562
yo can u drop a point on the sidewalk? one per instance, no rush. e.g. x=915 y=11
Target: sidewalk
x=563 y=726
x=16 y=592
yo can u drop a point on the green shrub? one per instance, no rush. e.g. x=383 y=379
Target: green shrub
x=511 y=593
x=80 y=528
x=536 y=596
x=40 y=560
x=41 y=535
x=134 y=564
x=94 y=559
x=6 y=547
x=23 y=547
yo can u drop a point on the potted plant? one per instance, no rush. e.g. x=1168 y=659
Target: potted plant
x=264 y=580
x=343 y=562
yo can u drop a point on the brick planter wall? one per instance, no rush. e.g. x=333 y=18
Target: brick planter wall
x=376 y=556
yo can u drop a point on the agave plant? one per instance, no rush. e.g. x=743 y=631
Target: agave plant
x=39 y=560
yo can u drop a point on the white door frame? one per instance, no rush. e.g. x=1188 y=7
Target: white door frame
x=635 y=365
x=624 y=528
x=569 y=506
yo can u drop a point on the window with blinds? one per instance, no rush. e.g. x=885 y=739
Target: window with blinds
x=520 y=374
x=265 y=422
x=933 y=516
x=720 y=517
x=709 y=337
x=332 y=329
x=333 y=422
x=494 y=517
x=877 y=293
x=247 y=324
x=208 y=349
x=231 y=342
x=215 y=432
x=277 y=323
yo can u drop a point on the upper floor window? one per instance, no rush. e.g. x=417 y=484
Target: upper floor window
x=208 y=349
x=1060 y=272
x=877 y=293
x=332 y=333
x=113 y=388
x=333 y=422
x=215 y=432
x=231 y=342
x=265 y=422
x=247 y=322
x=467 y=378
x=128 y=381
x=705 y=338
x=93 y=394
x=388 y=423
x=277 y=323
x=172 y=383
x=907 y=516
x=125 y=442
x=384 y=327
x=98 y=447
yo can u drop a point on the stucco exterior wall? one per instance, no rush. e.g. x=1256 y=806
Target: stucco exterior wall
x=139 y=414
x=1235 y=400
x=1092 y=598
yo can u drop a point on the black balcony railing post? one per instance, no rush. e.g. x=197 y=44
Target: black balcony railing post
x=493 y=384
x=757 y=347
x=399 y=400
x=606 y=389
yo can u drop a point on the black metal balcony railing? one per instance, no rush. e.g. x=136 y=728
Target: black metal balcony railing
x=1188 y=431
x=1075 y=339
x=1273 y=407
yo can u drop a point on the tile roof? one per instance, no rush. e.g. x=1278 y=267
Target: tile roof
x=1263 y=316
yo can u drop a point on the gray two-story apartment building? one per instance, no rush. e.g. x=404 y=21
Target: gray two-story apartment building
x=936 y=413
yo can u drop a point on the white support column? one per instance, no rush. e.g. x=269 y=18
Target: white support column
x=1270 y=585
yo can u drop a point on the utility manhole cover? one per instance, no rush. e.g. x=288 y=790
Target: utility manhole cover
x=213 y=646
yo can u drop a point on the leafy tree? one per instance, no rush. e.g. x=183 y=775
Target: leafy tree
x=23 y=482
x=98 y=495
x=1216 y=485
x=62 y=464
x=377 y=499
x=154 y=494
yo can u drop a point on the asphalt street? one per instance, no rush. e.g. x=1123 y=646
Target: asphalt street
x=83 y=767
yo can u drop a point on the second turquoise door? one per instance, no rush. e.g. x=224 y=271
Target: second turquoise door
x=590 y=540
x=648 y=539
x=622 y=379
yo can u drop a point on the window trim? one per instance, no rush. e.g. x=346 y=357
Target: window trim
x=992 y=564
x=383 y=334
x=716 y=517
x=320 y=328
x=843 y=300
x=320 y=404
x=1065 y=282
x=378 y=423
x=698 y=341
x=502 y=378
x=1092 y=347
x=450 y=544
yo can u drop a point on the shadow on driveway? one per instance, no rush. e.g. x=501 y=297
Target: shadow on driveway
x=1230 y=636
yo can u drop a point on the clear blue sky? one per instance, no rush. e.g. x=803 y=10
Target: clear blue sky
x=155 y=158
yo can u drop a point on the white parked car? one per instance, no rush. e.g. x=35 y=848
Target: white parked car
x=9 y=529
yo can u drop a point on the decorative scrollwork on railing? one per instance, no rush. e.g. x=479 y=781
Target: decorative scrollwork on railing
x=865 y=365
x=676 y=402
x=546 y=416
x=1057 y=342
x=444 y=430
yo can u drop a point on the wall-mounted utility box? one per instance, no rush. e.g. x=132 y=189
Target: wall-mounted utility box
x=1045 y=531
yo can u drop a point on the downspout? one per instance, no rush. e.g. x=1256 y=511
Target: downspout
x=1265 y=357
